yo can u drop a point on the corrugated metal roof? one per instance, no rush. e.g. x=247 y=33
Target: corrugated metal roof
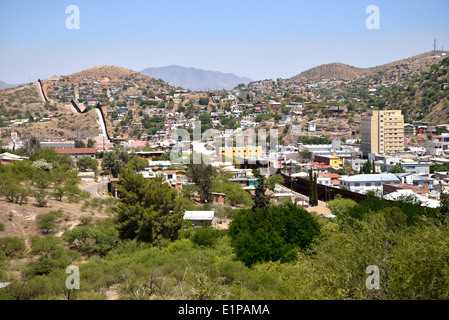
x=199 y=215
x=370 y=177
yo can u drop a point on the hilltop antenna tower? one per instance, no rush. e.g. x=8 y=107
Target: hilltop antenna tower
x=434 y=47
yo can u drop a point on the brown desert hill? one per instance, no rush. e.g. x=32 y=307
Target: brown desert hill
x=101 y=83
x=419 y=62
x=105 y=84
x=333 y=70
x=336 y=70
x=113 y=73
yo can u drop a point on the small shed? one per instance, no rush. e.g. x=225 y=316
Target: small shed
x=217 y=198
x=199 y=218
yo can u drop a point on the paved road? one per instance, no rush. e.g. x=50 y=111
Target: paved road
x=92 y=188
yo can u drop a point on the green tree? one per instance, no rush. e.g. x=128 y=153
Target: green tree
x=206 y=121
x=149 y=209
x=273 y=180
x=306 y=154
x=90 y=143
x=313 y=189
x=114 y=160
x=137 y=163
x=443 y=209
x=30 y=146
x=79 y=144
x=202 y=176
x=85 y=162
x=261 y=199
x=14 y=191
x=47 y=222
x=40 y=194
x=272 y=234
x=235 y=194
x=204 y=101
x=397 y=169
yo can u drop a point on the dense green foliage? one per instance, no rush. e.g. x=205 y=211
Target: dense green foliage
x=314 y=140
x=339 y=205
x=114 y=159
x=411 y=255
x=145 y=251
x=89 y=238
x=149 y=209
x=261 y=199
x=272 y=233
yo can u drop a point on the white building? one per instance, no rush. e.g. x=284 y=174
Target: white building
x=416 y=180
x=400 y=194
x=324 y=181
x=311 y=126
x=362 y=183
x=198 y=218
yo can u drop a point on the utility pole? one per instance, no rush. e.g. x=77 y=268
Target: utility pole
x=291 y=181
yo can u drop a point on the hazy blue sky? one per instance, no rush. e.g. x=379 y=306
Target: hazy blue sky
x=259 y=39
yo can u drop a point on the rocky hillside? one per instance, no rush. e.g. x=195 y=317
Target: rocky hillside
x=103 y=84
x=429 y=93
x=416 y=64
x=56 y=118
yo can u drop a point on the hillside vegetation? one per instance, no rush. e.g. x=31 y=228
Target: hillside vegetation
x=139 y=247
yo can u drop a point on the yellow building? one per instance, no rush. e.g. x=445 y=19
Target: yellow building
x=234 y=152
x=382 y=132
x=333 y=161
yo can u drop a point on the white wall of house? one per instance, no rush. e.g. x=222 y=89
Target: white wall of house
x=363 y=183
x=324 y=181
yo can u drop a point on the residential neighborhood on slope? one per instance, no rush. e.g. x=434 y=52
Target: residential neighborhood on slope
x=133 y=144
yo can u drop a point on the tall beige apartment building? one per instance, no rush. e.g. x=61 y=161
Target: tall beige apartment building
x=382 y=132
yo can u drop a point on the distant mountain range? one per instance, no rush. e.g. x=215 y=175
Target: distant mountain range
x=4 y=85
x=195 y=79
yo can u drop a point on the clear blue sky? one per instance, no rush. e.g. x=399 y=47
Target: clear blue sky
x=259 y=39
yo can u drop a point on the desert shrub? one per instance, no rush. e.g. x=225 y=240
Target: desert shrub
x=40 y=196
x=91 y=239
x=51 y=255
x=205 y=236
x=47 y=222
x=12 y=246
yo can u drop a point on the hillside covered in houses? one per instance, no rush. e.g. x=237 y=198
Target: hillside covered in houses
x=275 y=189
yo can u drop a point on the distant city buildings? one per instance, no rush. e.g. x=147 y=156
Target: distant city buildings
x=382 y=132
x=234 y=152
